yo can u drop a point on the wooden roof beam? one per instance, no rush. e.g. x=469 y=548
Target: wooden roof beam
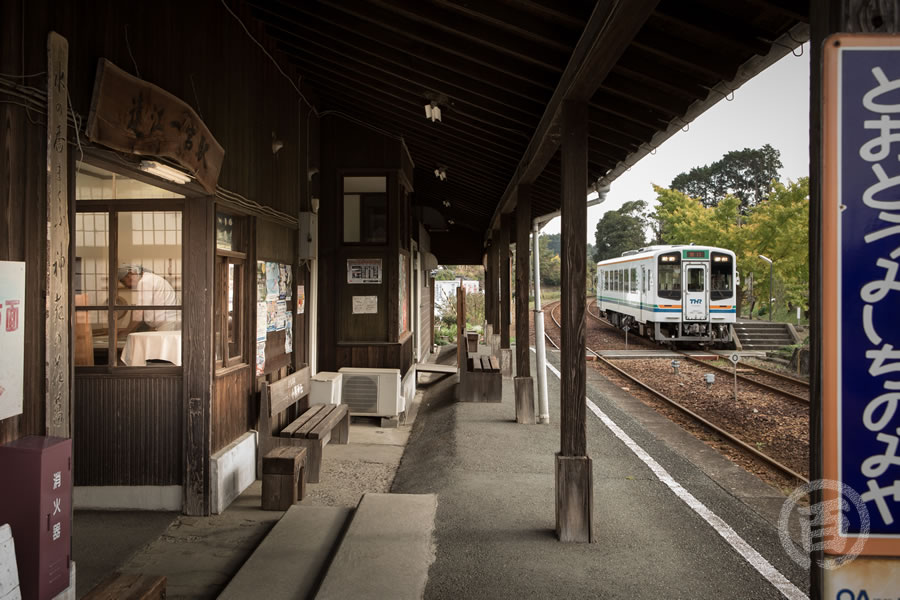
x=607 y=34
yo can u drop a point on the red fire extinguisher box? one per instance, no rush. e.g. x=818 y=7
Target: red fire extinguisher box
x=36 y=501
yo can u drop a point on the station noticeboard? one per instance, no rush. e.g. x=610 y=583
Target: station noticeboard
x=861 y=298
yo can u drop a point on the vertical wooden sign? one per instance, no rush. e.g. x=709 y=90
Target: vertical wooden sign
x=56 y=366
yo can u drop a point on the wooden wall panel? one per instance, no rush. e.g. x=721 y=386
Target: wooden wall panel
x=233 y=408
x=128 y=430
x=23 y=207
x=377 y=356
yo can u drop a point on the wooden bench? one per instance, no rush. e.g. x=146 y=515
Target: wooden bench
x=481 y=380
x=284 y=477
x=129 y=586
x=313 y=429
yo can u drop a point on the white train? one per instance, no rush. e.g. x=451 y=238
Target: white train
x=671 y=293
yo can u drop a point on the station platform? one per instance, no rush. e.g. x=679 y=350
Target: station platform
x=672 y=518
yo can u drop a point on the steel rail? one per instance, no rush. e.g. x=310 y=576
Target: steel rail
x=778 y=375
x=738 y=442
x=765 y=386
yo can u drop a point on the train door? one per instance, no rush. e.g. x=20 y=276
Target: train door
x=695 y=306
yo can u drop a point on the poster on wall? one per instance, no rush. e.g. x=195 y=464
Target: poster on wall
x=261 y=358
x=288 y=282
x=271 y=310
x=301 y=299
x=404 y=294
x=365 y=305
x=12 y=337
x=288 y=333
x=272 y=272
x=261 y=321
x=363 y=270
x=260 y=281
x=280 y=314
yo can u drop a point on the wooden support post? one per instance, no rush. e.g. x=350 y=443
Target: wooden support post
x=574 y=490
x=505 y=295
x=461 y=328
x=56 y=313
x=198 y=354
x=524 y=385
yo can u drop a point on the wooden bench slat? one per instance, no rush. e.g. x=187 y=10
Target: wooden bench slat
x=329 y=422
x=494 y=364
x=285 y=392
x=303 y=431
x=302 y=420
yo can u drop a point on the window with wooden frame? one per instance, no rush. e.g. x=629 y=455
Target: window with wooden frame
x=231 y=279
x=365 y=210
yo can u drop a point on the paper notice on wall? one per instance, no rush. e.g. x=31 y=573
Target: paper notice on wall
x=301 y=299
x=365 y=305
x=12 y=337
x=288 y=281
x=262 y=315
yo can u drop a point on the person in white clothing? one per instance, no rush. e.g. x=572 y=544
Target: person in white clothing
x=151 y=290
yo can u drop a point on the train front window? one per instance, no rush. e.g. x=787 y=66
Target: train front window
x=721 y=281
x=668 y=279
x=695 y=279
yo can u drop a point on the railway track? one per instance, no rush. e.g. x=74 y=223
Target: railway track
x=691 y=414
x=798 y=390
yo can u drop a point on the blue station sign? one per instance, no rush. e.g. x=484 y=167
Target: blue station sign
x=861 y=299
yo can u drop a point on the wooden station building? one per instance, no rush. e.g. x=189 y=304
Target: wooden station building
x=266 y=186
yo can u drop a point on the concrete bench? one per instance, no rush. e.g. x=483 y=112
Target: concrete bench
x=386 y=551
x=290 y=561
x=129 y=586
x=481 y=380
x=313 y=429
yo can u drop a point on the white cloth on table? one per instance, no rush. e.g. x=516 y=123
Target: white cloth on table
x=152 y=345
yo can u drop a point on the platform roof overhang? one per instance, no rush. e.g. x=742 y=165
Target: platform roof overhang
x=499 y=71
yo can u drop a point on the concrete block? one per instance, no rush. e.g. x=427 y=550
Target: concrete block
x=290 y=561
x=232 y=470
x=9 y=572
x=387 y=550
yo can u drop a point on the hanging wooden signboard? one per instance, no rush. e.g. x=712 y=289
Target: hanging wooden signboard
x=57 y=310
x=131 y=115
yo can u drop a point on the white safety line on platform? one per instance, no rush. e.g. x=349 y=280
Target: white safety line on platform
x=754 y=558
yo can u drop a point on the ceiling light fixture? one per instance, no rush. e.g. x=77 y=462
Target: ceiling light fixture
x=440 y=173
x=433 y=112
x=164 y=171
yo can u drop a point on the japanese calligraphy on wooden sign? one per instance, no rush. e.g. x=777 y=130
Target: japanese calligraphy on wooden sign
x=861 y=298
x=56 y=359
x=12 y=337
x=132 y=115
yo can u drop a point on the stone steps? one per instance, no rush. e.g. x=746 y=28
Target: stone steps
x=763 y=335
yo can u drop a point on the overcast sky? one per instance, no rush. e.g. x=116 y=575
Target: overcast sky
x=772 y=108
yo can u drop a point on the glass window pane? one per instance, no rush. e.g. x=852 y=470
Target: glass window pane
x=365 y=210
x=695 y=280
x=91 y=337
x=87 y=255
x=144 y=347
x=148 y=274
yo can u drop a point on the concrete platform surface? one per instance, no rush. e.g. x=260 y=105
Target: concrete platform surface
x=386 y=551
x=290 y=561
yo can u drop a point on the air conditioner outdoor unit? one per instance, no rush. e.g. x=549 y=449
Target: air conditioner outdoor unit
x=372 y=392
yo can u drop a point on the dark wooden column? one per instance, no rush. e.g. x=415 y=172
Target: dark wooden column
x=524 y=385
x=574 y=477
x=198 y=356
x=491 y=304
x=505 y=291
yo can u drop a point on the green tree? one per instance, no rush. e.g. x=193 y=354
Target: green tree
x=550 y=263
x=746 y=174
x=620 y=230
x=554 y=243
